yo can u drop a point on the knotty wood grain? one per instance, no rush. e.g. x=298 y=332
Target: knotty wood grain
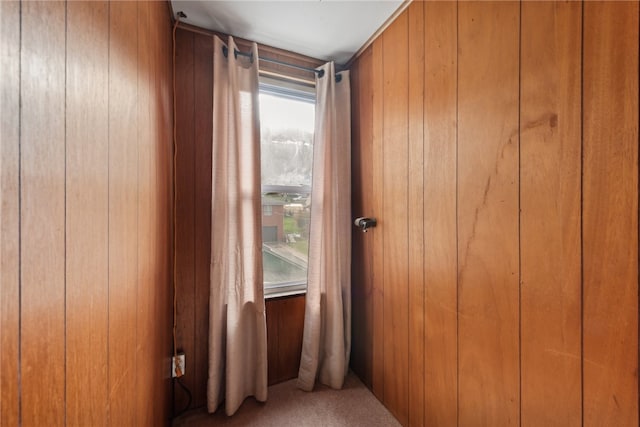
x=550 y=213
x=610 y=213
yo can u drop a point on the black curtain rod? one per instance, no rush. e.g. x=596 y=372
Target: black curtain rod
x=236 y=52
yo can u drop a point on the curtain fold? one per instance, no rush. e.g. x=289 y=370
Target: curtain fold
x=237 y=323
x=327 y=326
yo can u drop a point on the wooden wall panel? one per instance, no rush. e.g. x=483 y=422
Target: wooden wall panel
x=488 y=213
x=285 y=325
x=123 y=211
x=9 y=211
x=87 y=207
x=377 y=82
x=42 y=220
x=610 y=213
x=84 y=161
x=362 y=195
x=415 y=213
x=530 y=196
x=272 y=342
x=550 y=213
x=440 y=249
x=144 y=385
x=160 y=297
x=185 y=210
x=203 y=134
x=395 y=179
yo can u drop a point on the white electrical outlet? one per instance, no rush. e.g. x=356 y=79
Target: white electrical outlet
x=177 y=362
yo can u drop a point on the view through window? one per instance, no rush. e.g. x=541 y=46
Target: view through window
x=286 y=125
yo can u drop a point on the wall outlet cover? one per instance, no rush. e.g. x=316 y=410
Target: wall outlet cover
x=178 y=362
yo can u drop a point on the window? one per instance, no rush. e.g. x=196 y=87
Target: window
x=287 y=116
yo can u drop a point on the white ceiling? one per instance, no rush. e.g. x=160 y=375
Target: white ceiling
x=328 y=30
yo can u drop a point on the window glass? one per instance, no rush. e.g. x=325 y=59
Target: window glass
x=286 y=126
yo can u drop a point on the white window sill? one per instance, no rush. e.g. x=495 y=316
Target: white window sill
x=285 y=290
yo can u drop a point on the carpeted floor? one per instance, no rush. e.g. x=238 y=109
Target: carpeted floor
x=287 y=405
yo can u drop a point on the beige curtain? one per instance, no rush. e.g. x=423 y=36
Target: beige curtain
x=327 y=324
x=237 y=325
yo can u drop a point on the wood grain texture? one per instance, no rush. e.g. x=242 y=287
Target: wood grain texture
x=285 y=324
x=88 y=288
x=203 y=134
x=42 y=222
x=87 y=207
x=610 y=213
x=9 y=212
x=394 y=208
x=272 y=315
x=290 y=332
x=185 y=205
x=415 y=212
x=362 y=195
x=488 y=337
x=162 y=208
x=377 y=358
x=488 y=270
x=144 y=357
x=440 y=254
x=123 y=211
x=550 y=213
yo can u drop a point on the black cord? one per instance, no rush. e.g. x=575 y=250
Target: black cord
x=188 y=406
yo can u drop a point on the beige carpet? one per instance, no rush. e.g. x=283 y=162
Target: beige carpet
x=354 y=405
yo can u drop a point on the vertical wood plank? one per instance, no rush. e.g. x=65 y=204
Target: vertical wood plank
x=415 y=213
x=9 y=211
x=550 y=213
x=145 y=322
x=162 y=205
x=42 y=227
x=203 y=134
x=290 y=332
x=395 y=203
x=87 y=212
x=610 y=213
x=272 y=314
x=362 y=195
x=440 y=253
x=285 y=324
x=488 y=272
x=123 y=211
x=185 y=203
x=377 y=153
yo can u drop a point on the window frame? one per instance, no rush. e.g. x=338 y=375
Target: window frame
x=295 y=92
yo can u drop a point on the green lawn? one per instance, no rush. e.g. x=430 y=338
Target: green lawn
x=290 y=225
x=301 y=246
